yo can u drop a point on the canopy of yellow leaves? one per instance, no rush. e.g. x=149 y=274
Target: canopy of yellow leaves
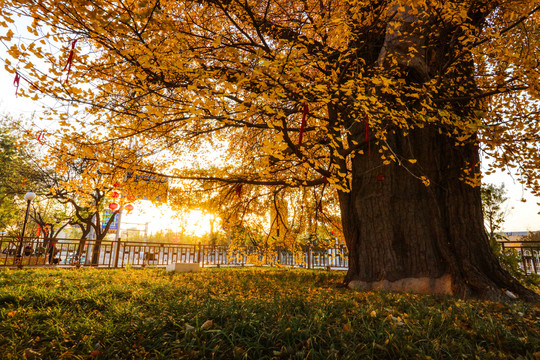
x=166 y=77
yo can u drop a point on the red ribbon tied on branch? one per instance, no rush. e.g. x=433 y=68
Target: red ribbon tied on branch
x=70 y=59
x=238 y=190
x=303 y=125
x=40 y=137
x=16 y=82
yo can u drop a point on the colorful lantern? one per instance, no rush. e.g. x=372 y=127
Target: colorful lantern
x=113 y=206
x=129 y=208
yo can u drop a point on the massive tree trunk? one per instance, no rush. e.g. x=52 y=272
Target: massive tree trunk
x=405 y=236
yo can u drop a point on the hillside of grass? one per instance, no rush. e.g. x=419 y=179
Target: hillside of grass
x=246 y=314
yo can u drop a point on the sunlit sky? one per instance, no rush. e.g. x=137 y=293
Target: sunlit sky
x=159 y=218
x=522 y=216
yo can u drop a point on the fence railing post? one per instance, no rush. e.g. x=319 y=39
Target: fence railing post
x=96 y=253
x=523 y=261
x=117 y=252
x=533 y=260
x=201 y=255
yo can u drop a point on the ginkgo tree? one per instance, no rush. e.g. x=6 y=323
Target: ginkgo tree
x=88 y=188
x=390 y=102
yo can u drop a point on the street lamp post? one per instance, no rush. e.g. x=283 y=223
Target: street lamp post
x=29 y=196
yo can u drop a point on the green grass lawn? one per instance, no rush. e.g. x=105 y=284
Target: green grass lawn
x=246 y=313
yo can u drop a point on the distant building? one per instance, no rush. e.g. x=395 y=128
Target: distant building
x=518 y=235
x=515 y=235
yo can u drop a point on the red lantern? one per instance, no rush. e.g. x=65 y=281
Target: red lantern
x=113 y=206
x=114 y=194
x=129 y=207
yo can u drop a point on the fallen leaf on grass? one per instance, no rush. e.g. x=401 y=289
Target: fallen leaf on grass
x=30 y=354
x=94 y=354
x=397 y=320
x=207 y=324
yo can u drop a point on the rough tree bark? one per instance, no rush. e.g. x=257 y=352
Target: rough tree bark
x=405 y=236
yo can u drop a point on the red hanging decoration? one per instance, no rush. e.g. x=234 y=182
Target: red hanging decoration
x=368 y=140
x=16 y=82
x=113 y=206
x=24 y=182
x=129 y=208
x=70 y=59
x=303 y=125
x=238 y=190
x=115 y=194
x=40 y=137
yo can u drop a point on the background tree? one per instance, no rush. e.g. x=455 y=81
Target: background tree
x=495 y=212
x=388 y=101
x=86 y=190
x=10 y=186
x=51 y=218
x=19 y=173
